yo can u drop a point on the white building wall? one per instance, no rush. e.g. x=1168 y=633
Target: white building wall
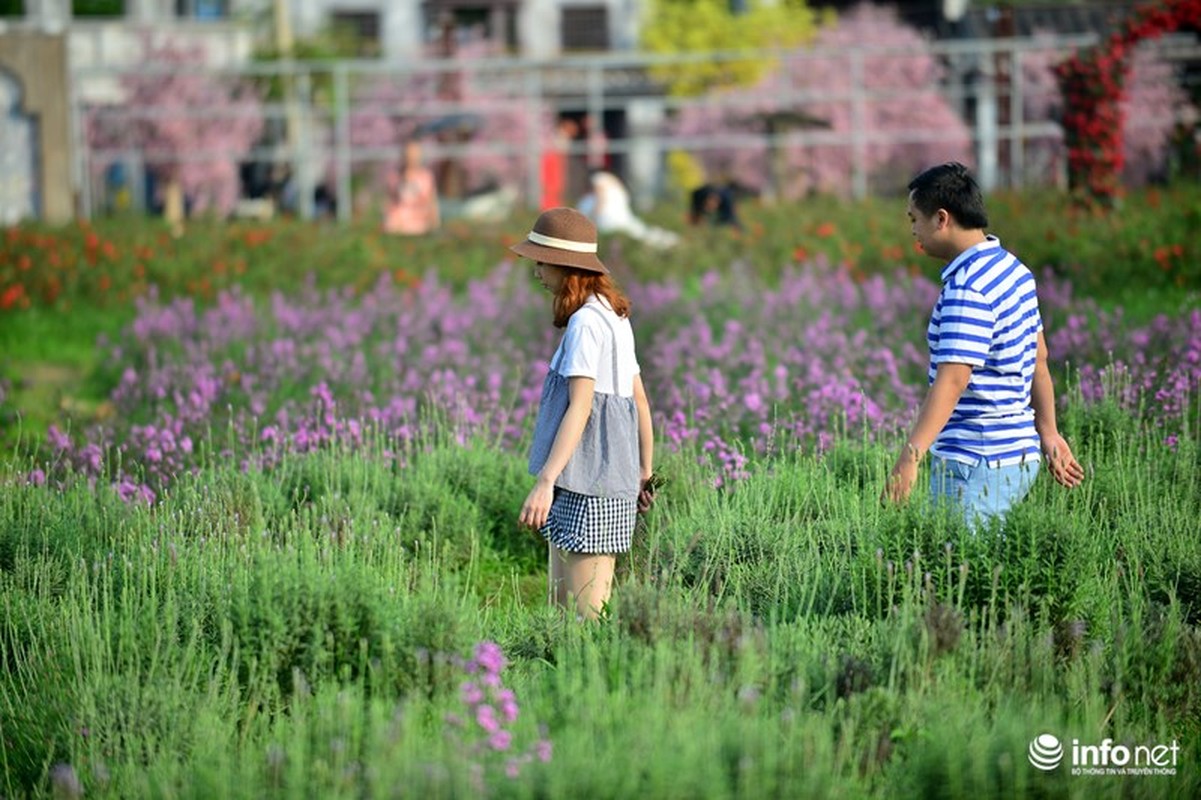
x=538 y=28
x=401 y=30
x=401 y=25
x=627 y=21
x=400 y=22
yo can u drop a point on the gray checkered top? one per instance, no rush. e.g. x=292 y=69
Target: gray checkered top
x=605 y=463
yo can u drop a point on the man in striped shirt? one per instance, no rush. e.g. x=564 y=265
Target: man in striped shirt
x=990 y=408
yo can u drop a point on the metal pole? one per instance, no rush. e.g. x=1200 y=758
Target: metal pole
x=534 y=143
x=858 y=128
x=1017 y=135
x=79 y=147
x=596 y=113
x=986 y=126
x=304 y=161
x=284 y=45
x=342 y=141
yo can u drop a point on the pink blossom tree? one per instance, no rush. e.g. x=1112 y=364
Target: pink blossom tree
x=905 y=121
x=489 y=107
x=1155 y=101
x=172 y=113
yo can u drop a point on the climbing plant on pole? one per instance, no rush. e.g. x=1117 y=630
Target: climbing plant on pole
x=1093 y=84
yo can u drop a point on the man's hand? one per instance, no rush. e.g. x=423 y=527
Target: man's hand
x=1065 y=469
x=901 y=481
x=536 y=509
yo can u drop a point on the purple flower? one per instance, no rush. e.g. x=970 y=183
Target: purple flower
x=544 y=749
x=471 y=693
x=500 y=740
x=485 y=716
x=59 y=440
x=508 y=704
x=127 y=490
x=37 y=477
x=489 y=656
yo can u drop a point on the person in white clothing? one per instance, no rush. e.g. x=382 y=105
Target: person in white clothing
x=593 y=440
x=608 y=205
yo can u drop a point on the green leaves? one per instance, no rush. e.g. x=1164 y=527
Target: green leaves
x=708 y=26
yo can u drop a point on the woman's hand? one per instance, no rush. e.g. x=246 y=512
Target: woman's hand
x=536 y=509
x=646 y=497
x=648 y=483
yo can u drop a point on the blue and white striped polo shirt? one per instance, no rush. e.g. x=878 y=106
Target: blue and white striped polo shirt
x=987 y=316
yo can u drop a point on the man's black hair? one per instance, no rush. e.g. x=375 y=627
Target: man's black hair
x=952 y=187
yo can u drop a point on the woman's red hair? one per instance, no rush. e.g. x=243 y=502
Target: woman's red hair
x=578 y=286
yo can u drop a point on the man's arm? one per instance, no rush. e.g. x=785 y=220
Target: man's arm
x=949 y=384
x=1063 y=465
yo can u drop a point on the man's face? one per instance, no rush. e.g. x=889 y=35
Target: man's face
x=927 y=230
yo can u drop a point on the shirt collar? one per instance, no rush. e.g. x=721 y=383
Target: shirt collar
x=990 y=243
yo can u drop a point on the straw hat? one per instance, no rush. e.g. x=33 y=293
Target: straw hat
x=564 y=237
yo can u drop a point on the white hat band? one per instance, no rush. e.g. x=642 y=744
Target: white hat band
x=562 y=244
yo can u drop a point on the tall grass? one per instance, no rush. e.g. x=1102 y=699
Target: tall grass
x=300 y=632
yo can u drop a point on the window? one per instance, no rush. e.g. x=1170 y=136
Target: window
x=496 y=20
x=363 y=29
x=584 y=28
x=202 y=9
x=12 y=8
x=98 y=8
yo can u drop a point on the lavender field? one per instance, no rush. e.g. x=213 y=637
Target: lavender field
x=737 y=369
x=280 y=558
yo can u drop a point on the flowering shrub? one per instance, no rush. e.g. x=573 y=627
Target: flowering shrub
x=485 y=734
x=894 y=60
x=1093 y=85
x=173 y=89
x=1154 y=101
x=387 y=110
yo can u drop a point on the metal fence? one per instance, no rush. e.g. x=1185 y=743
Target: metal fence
x=317 y=113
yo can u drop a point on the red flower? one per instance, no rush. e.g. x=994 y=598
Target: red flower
x=11 y=295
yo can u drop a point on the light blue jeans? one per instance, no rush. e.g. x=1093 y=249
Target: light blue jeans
x=981 y=493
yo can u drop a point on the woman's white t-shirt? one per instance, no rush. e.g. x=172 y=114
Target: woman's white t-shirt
x=586 y=349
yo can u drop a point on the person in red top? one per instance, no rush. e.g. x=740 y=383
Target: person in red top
x=554 y=164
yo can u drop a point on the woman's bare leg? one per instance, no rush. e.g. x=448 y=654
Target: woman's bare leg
x=590 y=581
x=558 y=580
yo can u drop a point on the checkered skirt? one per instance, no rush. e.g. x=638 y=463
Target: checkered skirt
x=580 y=523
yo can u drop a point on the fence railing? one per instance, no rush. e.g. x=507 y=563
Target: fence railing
x=333 y=123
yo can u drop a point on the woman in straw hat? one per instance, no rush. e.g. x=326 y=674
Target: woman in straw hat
x=593 y=442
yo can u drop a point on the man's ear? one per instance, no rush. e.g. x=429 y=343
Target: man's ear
x=943 y=219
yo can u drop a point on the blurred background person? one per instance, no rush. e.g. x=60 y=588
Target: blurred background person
x=554 y=166
x=713 y=203
x=607 y=204
x=412 y=205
